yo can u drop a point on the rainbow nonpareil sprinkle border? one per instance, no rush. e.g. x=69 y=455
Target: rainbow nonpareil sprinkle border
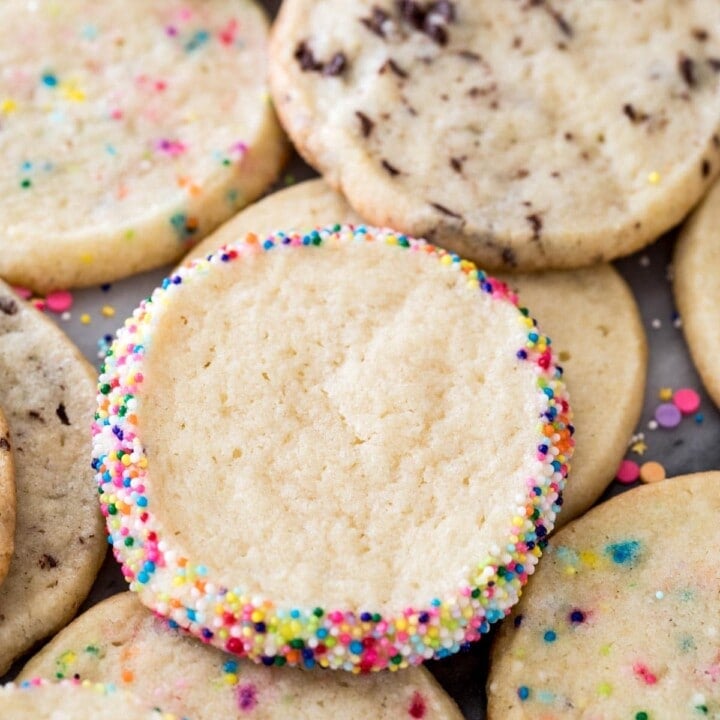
x=184 y=590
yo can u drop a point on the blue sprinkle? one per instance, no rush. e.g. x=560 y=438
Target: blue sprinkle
x=523 y=692
x=142 y=501
x=197 y=40
x=49 y=80
x=624 y=553
x=142 y=577
x=230 y=666
x=550 y=636
x=356 y=647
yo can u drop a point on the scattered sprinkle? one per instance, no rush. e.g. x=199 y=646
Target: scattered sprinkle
x=628 y=472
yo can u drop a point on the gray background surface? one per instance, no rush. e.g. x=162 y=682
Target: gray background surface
x=689 y=448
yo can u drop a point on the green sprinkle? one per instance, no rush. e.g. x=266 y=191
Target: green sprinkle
x=26 y=183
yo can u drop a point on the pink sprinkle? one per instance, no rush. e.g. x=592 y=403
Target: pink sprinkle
x=668 y=415
x=239 y=147
x=644 y=674
x=23 y=292
x=171 y=31
x=227 y=34
x=628 y=472
x=59 y=301
x=171 y=147
x=686 y=400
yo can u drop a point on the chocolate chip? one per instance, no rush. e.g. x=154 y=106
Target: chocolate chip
x=376 y=22
x=560 y=21
x=436 y=32
x=412 y=12
x=536 y=224
x=47 y=562
x=4 y=443
x=700 y=34
x=8 y=305
x=686 y=68
x=634 y=115
x=469 y=55
x=391 y=65
x=366 y=124
x=390 y=168
x=508 y=257
x=35 y=415
x=705 y=168
x=60 y=412
x=456 y=163
x=336 y=65
x=446 y=211
x=714 y=63
x=304 y=55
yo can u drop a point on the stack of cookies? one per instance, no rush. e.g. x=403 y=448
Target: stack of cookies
x=334 y=443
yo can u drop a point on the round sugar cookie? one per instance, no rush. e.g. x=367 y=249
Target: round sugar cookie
x=341 y=449
x=7 y=498
x=121 y=642
x=523 y=135
x=622 y=618
x=129 y=129
x=40 y=700
x=697 y=289
x=47 y=392
x=590 y=315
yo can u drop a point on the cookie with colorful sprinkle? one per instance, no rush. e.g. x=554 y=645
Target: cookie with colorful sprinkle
x=523 y=135
x=129 y=130
x=697 y=288
x=622 y=618
x=343 y=449
x=7 y=498
x=41 y=700
x=47 y=392
x=598 y=334
x=120 y=641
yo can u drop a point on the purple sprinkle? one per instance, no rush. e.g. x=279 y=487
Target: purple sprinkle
x=667 y=415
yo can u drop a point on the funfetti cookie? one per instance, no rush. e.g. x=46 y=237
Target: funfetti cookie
x=697 y=288
x=7 y=498
x=47 y=393
x=622 y=618
x=41 y=700
x=525 y=135
x=590 y=315
x=342 y=449
x=129 y=129
x=121 y=642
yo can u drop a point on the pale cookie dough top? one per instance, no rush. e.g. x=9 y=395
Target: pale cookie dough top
x=598 y=336
x=622 y=619
x=121 y=641
x=351 y=428
x=523 y=134
x=697 y=288
x=126 y=123
x=7 y=498
x=41 y=700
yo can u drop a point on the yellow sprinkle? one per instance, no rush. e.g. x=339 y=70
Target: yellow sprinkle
x=85 y=319
x=8 y=106
x=86 y=258
x=605 y=650
x=665 y=393
x=639 y=447
x=654 y=177
x=570 y=570
x=71 y=91
x=590 y=558
x=604 y=689
x=231 y=678
x=108 y=311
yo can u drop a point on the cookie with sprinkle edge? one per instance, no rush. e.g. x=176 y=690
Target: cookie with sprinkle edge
x=590 y=314
x=39 y=699
x=122 y=642
x=621 y=620
x=7 y=499
x=522 y=135
x=47 y=392
x=130 y=129
x=429 y=440
x=697 y=288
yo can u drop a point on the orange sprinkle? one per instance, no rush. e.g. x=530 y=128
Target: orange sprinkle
x=127 y=676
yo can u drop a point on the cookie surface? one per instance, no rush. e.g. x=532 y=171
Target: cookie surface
x=697 y=289
x=120 y=641
x=7 y=498
x=379 y=424
x=590 y=315
x=47 y=393
x=129 y=130
x=38 y=700
x=518 y=134
x=621 y=620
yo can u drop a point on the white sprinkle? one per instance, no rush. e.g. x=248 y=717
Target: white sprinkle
x=652 y=425
x=656 y=324
x=644 y=261
x=659 y=594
